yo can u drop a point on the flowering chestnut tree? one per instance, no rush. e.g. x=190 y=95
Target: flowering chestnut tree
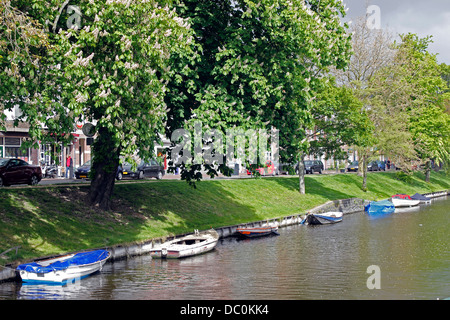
x=261 y=66
x=107 y=63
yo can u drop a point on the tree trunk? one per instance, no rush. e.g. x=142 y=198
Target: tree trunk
x=301 y=174
x=364 y=172
x=427 y=171
x=104 y=169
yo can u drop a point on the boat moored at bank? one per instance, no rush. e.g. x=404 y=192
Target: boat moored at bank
x=421 y=198
x=254 y=232
x=65 y=268
x=323 y=218
x=380 y=207
x=403 y=200
x=190 y=245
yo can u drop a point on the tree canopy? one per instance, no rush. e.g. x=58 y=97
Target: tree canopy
x=260 y=66
x=108 y=66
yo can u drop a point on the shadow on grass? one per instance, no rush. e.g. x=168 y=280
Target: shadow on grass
x=46 y=221
x=54 y=220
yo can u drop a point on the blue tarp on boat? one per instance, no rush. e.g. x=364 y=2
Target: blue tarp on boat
x=384 y=206
x=81 y=258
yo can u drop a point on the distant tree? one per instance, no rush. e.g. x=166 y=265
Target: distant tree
x=409 y=106
x=372 y=52
x=340 y=120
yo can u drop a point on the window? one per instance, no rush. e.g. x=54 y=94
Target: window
x=14 y=163
x=12 y=141
x=15 y=152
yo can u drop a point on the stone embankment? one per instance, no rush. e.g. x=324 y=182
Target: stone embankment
x=126 y=251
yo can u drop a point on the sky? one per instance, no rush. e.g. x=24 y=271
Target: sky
x=425 y=18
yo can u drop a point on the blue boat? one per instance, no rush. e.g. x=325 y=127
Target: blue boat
x=63 y=269
x=380 y=207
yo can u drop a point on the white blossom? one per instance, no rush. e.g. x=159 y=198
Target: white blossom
x=80 y=98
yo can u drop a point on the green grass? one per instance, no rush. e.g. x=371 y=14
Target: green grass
x=56 y=219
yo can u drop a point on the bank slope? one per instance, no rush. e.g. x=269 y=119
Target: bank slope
x=56 y=219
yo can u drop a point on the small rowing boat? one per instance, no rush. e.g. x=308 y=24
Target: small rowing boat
x=253 y=232
x=190 y=245
x=421 y=198
x=322 y=218
x=63 y=269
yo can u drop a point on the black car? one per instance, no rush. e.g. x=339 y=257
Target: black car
x=17 y=171
x=83 y=171
x=144 y=169
x=312 y=166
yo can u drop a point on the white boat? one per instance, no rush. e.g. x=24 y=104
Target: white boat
x=322 y=218
x=63 y=269
x=403 y=200
x=190 y=245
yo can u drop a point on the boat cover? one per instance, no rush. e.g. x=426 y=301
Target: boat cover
x=81 y=258
x=420 y=197
x=402 y=196
x=384 y=206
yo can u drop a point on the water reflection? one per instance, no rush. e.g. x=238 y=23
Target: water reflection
x=304 y=262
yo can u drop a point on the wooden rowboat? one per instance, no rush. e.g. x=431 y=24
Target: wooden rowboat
x=253 y=232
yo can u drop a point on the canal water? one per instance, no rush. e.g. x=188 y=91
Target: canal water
x=409 y=249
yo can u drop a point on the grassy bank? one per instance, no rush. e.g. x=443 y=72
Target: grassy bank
x=55 y=219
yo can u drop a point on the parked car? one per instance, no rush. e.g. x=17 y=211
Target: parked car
x=372 y=166
x=17 y=171
x=144 y=169
x=353 y=167
x=285 y=168
x=83 y=171
x=311 y=166
x=267 y=169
